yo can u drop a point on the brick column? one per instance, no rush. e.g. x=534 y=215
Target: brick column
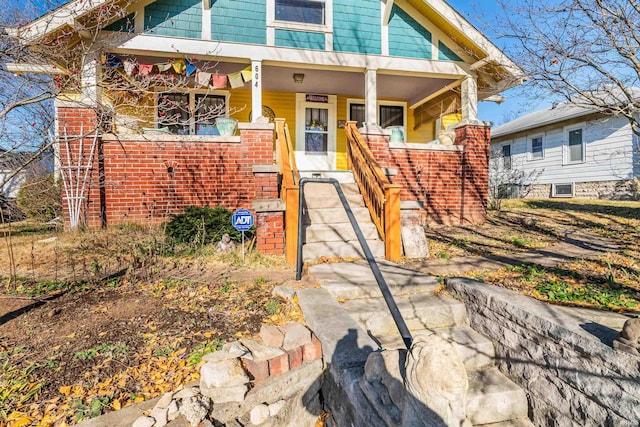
x=270 y=211
x=475 y=137
x=76 y=130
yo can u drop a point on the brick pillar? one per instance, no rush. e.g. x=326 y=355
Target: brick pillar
x=76 y=130
x=270 y=211
x=475 y=138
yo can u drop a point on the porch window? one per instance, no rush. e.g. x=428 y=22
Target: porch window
x=304 y=11
x=391 y=115
x=388 y=115
x=175 y=112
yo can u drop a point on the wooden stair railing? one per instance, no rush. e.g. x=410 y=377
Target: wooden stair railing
x=289 y=187
x=381 y=197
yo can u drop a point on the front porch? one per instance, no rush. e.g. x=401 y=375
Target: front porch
x=144 y=178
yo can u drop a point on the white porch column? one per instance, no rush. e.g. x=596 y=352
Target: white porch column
x=256 y=90
x=91 y=78
x=469 y=99
x=370 y=97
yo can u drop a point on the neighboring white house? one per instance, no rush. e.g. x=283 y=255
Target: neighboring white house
x=570 y=151
x=12 y=161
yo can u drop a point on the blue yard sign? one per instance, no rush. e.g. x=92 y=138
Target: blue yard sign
x=242 y=220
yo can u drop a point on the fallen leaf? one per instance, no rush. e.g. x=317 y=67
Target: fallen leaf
x=66 y=390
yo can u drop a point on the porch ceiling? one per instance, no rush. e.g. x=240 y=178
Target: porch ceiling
x=345 y=83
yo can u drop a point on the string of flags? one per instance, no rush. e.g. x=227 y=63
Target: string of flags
x=182 y=67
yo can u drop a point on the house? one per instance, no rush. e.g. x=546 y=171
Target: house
x=569 y=150
x=409 y=73
x=18 y=167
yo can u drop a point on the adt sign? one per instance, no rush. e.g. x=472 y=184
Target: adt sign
x=242 y=220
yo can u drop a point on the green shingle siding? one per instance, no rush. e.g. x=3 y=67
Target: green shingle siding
x=446 y=54
x=126 y=24
x=407 y=37
x=356 y=26
x=176 y=18
x=300 y=39
x=239 y=21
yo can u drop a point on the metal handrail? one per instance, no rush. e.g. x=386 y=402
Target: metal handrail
x=382 y=284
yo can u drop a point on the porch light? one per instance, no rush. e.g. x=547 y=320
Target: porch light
x=298 y=77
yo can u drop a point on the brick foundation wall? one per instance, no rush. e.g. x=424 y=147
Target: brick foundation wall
x=145 y=178
x=450 y=182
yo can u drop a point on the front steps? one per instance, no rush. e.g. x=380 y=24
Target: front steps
x=327 y=232
x=492 y=400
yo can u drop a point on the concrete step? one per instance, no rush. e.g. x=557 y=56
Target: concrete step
x=336 y=215
x=316 y=189
x=341 y=232
x=421 y=311
x=475 y=350
x=355 y=280
x=333 y=201
x=350 y=249
x=341 y=176
x=494 y=398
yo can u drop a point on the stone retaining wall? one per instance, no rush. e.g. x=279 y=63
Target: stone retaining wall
x=570 y=376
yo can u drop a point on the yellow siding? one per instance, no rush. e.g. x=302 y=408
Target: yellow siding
x=451 y=119
x=341 y=137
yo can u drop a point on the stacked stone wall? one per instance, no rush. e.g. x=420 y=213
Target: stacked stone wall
x=571 y=377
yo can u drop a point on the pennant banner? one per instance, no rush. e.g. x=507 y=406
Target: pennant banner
x=183 y=67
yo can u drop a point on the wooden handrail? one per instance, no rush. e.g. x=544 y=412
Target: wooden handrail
x=381 y=196
x=289 y=188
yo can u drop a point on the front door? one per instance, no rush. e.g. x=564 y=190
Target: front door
x=315 y=131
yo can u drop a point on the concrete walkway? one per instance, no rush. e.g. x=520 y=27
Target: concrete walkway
x=575 y=245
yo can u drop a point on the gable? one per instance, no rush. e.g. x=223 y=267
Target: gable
x=407 y=37
x=177 y=18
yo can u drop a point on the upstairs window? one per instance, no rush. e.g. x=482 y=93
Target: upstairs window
x=303 y=11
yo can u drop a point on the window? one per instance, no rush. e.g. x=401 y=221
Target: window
x=574 y=145
x=316 y=130
x=505 y=153
x=536 y=151
x=356 y=112
x=389 y=113
x=175 y=112
x=562 y=190
x=303 y=11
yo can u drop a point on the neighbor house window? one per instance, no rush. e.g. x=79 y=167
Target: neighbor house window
x=575 y=147
x=536 y=151
x=505 y=153
x=303 y=11
x=190 y=114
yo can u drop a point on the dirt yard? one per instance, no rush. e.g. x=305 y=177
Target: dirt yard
x=83 y=332
x=94 y=321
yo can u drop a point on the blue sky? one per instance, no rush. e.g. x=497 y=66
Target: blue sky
x=482 y=14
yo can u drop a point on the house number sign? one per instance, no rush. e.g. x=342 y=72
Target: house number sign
x=256 y=76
